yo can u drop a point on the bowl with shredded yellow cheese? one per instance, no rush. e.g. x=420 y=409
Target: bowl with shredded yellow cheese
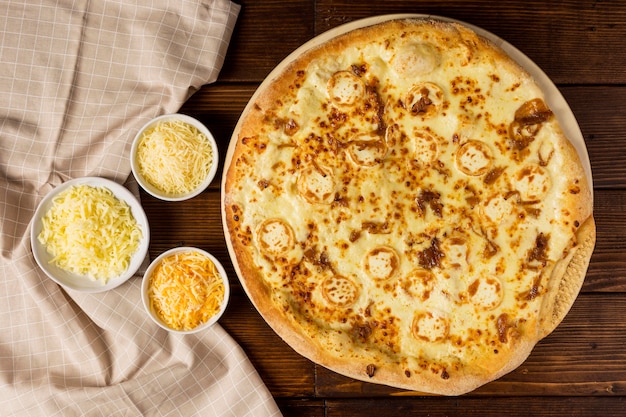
x=174 y=157
x=185 y=290
x=90 y=234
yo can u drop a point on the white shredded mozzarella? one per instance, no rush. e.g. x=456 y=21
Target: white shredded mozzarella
x=174 y=157
x=88 y=231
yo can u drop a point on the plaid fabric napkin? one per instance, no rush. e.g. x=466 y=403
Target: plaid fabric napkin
x=77 y=79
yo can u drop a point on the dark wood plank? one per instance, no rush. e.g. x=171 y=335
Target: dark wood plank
x=266 y=32
x=553 y=34
x=219 y=106
x=607 y=269
x=195 y=222
x=601 y=114
x=464 y=407
x=302 y=407
x=583 y=356
x=286 y=373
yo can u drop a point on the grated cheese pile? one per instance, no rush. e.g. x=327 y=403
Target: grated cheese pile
x=88 y=231
x=186 y=290
x=174 y=157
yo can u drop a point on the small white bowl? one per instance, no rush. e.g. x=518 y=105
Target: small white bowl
x=145 y=298
x=151 y=189
x=79 y=282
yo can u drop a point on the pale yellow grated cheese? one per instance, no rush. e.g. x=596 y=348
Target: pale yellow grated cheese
x=174 y=157
x=186 y=290
x=88 y=231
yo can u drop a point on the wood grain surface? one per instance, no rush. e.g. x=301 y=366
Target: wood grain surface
x=578 y=370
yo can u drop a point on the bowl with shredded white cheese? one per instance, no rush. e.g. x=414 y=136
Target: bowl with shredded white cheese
x=185 y=290
x=174 y=157
x=90 y=234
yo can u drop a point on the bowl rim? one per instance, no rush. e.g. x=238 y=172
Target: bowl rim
x=79 y=282
x=153 y=191
x=145 y=283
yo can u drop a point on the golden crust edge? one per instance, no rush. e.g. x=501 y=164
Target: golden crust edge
x=569 y=273
x=567 y=279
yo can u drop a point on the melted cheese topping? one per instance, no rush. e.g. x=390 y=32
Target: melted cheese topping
x=186 y=290
x=88 y=231
x=424 y=166
x=174 y=157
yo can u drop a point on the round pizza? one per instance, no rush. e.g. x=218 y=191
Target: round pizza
x=403 y=207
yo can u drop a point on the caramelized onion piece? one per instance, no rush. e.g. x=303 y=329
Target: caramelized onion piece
x=430 y=257
x=533 y=112
x=431 y=199
x=376 y=227
x=529 y=119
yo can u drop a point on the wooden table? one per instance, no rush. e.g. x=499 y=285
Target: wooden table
x=580 y=369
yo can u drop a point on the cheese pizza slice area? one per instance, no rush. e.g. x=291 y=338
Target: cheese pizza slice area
x=403 y=208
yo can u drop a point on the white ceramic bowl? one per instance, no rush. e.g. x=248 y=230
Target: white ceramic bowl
x=151 y=189
x=146 y=283
x=75 y=281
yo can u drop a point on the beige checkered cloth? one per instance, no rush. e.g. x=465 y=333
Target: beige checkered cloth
x=77 y=78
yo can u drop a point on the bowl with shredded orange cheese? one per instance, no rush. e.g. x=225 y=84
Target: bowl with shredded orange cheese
x=90 y=234
x=174 y=157
x=185 y=290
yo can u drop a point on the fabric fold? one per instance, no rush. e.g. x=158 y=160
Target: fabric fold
x=79 y=77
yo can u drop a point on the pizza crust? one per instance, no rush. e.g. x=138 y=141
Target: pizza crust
x=350 y=351
x=567 y=279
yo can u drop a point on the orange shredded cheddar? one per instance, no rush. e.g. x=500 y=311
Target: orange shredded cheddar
x=186 y=290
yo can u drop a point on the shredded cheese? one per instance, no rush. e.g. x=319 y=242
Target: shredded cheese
x=174 y=157
x=90 y=232
x=186 y=290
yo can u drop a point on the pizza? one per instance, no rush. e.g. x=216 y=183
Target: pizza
x=402 y=207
